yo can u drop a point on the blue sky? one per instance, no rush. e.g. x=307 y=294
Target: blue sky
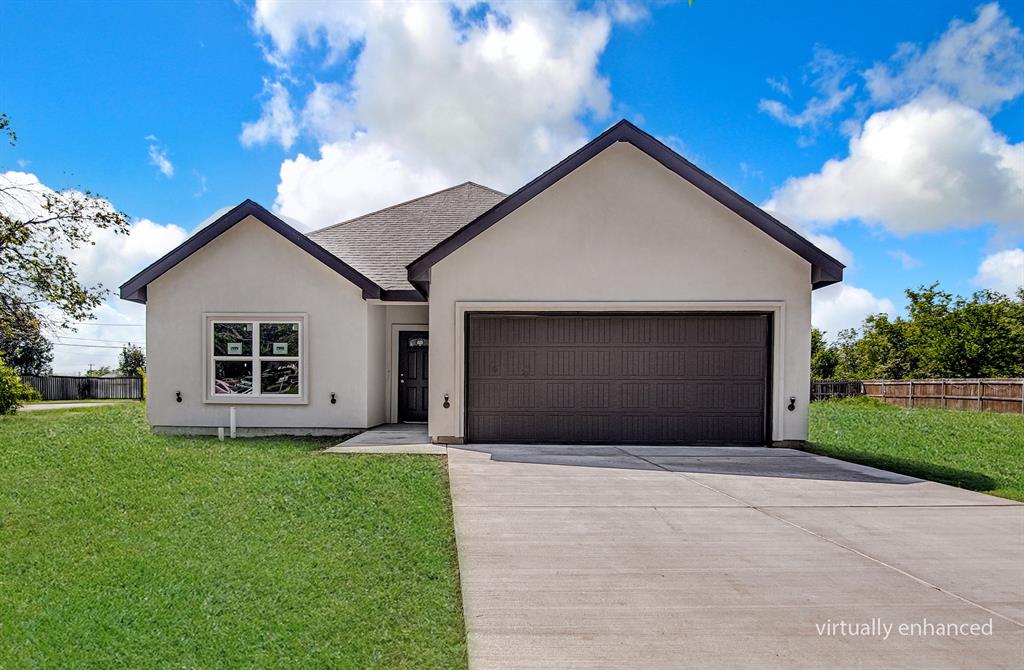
x=176 y=110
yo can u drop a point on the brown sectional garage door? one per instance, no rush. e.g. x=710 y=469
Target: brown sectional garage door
x=617 y=378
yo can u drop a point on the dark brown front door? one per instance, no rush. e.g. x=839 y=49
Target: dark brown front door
x=412 y=376
x=618 y=378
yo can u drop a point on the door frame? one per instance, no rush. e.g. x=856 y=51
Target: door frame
x=392 y=385
x=776 y=346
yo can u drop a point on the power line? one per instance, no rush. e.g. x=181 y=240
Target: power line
x=93 y=323
x=93 y=339
x=91 y=346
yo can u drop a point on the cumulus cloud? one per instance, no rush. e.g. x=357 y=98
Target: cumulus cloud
x=158 y=157
x=841 y=306
x=827 y=74
x=438 y=93
x=980 y=64
x=277 y=122
x=929 y=164
x=109 y=262
x=1002 y=271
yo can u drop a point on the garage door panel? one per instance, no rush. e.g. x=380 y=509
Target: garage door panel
x=681 y=378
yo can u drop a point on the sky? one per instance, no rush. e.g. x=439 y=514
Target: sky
x=889 y=133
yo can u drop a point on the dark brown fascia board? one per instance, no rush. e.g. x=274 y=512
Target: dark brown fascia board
x=402 y=295
x=135 y=288
x=825 y=269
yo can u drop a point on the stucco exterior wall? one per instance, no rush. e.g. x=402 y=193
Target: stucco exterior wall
x=252 y=269
x=621 y=233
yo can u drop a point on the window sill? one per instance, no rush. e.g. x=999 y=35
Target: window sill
x=255 y=400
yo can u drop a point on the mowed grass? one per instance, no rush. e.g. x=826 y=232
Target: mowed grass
x=124 y=549
x=981 y=451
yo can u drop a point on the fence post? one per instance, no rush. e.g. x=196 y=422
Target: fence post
x=910 y=402
x=943 y=393
x=977 y=385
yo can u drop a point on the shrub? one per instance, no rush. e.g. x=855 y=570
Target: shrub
x=13 y=391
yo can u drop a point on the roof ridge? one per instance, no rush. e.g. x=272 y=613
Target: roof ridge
x=403 y=203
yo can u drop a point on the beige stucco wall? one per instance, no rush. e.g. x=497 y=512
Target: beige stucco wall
x=252 y=269
x=381 y=355
x=623 y=232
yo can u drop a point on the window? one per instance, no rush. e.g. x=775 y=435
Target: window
x=259 y=357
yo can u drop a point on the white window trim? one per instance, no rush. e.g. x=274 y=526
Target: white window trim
x=209 y=318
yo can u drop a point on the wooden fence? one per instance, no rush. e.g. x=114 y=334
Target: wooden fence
x=59 y=387
x=829 y=389
x=989 y=395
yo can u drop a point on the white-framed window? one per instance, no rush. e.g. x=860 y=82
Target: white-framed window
x=255 y=358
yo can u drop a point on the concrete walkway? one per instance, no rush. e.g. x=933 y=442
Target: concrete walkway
x=391 y=438
x=724 y=558
x=37 y=407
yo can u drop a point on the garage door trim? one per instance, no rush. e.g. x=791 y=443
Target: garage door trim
x=771 y=312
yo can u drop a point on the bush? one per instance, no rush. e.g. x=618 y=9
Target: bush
x=13 y=391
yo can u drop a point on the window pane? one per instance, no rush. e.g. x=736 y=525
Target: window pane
x=232 y=377
x=280 y=377
x=279 y=339
x=232 y=339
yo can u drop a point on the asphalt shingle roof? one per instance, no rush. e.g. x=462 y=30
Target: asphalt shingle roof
x=382 y=243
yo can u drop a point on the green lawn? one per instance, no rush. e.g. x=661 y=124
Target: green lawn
x=982 y=451
x=119 y=548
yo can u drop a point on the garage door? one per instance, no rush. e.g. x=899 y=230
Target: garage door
x=617 y=378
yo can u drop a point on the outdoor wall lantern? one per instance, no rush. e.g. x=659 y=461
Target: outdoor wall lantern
x=446 y=404
x=334 y=398
x=792 y=403
x=177 y=396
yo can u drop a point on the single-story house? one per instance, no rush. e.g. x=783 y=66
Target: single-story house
x=623 y=296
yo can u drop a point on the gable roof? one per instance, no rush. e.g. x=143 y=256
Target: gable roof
x=382 y=243
x=825 y=269
x=135 y=288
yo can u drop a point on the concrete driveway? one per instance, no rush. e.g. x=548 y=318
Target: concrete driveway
x=729 y=557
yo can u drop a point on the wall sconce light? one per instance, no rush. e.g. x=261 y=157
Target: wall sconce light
x=792 y=403
x=177 y=396
x=446 y=404
x=334 y=398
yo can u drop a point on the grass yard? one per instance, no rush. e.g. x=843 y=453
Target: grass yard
x=981 y=451
x=120 y=548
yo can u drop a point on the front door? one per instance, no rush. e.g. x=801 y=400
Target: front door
x=412 y=375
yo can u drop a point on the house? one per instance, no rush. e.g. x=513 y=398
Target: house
x=623 y=296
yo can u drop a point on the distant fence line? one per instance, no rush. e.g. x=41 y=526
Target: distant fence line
x=61 y=387
x=988 y=395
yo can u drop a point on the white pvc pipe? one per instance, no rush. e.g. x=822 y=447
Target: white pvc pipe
x=233 y=423
x=220 y=433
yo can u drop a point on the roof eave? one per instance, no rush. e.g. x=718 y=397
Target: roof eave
x=830 y=269
x=135 y=288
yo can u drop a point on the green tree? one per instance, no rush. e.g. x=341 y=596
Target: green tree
x=133 y=359
x=39 y=228
x=941 y=336
x=824 y=356
x=98 y=372
x=23 y=345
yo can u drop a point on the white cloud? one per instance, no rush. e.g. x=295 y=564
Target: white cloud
x=841 y=306
x=277 y=122
x=981 y=64
x=827 y=73
x=201 y=188
x=930 y=164
x=158 y=157
x=1002 y=271
x=906 y=260
x=110 y=261
x=437 y=95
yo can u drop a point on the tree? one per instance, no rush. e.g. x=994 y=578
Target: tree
x=23 y=345
x=941 y=336
x=13 y=391
x=39 y=228
x=101 y=371
x=133 y=359
x=824 y=357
